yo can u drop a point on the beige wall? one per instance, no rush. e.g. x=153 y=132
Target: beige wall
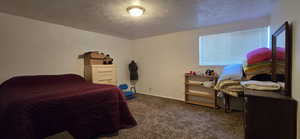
x=30 y=47
x=288 y=10
x=164 y=59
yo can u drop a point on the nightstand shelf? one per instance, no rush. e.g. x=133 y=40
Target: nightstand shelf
x=195 y=84
x=201 y=103
x=200 y=94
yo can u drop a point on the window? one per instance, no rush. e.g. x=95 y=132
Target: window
x=231 y=48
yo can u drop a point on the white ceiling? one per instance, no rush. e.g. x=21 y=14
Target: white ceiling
x=161 y=16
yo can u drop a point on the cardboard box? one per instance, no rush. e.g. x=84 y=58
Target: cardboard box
x=93 y=61
x=93 y=58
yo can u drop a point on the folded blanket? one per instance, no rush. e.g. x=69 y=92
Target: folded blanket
x=229 y=87
x=265 y=67
x=225 y=83
x=231 y=93
x=249 y=76
x=235 y=88
x=229 y=81
x=261 y=85
x=264 y=64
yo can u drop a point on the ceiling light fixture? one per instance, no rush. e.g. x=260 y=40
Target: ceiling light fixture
x=136 y=10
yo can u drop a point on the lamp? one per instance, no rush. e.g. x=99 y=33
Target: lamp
x=136 y=10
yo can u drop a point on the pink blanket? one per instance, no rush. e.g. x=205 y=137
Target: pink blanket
x=264 y=54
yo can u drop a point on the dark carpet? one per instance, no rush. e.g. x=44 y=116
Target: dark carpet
x=160 y=118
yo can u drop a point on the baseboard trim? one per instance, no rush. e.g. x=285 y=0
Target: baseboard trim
x=139 y=92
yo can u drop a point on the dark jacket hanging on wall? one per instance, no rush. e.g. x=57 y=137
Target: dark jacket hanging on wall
x=133 y=69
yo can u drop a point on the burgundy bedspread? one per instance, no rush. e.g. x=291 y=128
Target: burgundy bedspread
x=33 y=107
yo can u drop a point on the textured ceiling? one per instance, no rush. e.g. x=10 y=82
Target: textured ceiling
x=161 y=16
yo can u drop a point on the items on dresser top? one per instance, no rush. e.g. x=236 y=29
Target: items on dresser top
x=264 y=54
x=108 y=60
x=101 y=74
x=263 y=68
x=261 y=85
x=96 y=58
x=259 y=55
x=208 y=72
x=259 y=62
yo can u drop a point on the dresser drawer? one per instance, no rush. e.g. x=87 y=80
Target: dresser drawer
x=105 y=69
x=101 y=73
x=104 y=81
x=103 y=76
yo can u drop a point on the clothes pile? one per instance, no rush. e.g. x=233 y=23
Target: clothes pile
x=229 y=81
x=261 y=85
x=258 y=65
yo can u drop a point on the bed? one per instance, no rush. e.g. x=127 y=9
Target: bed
x=34 y=107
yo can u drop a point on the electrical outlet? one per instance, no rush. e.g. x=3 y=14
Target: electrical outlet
x=149 y=89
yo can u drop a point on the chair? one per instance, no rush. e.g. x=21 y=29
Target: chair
x=128 y=93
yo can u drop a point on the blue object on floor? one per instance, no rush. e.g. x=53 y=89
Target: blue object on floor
x=128 y=94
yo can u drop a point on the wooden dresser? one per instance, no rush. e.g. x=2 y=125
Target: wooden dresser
x=196 y=93
x=101 y=74
x=269 y=115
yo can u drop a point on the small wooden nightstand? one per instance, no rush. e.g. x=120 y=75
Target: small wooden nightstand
x=197 y=93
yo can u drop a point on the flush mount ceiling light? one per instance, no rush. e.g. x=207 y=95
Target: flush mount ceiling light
x=136 y=10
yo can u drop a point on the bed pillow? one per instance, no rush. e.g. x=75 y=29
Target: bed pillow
x=259 y=55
